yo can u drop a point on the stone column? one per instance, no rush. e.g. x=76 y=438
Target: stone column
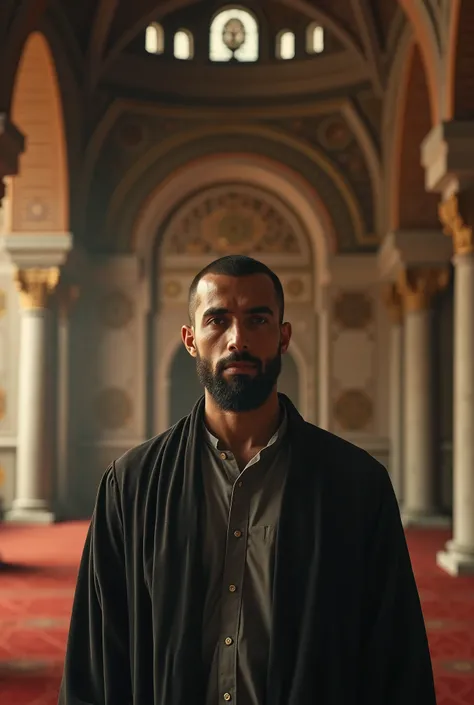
x=394 y=306
x=417 y=287
x=33 y=492
x=67 y=296
x=457 y=215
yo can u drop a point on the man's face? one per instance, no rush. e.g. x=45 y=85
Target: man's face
x=237 y=339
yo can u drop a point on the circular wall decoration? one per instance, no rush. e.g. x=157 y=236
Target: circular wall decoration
x=114 y=408
x=353 y=410
x=295 y=287
x=37 y=210
x=173 y=289
x=334 y=134
x=117 y=310
x=353 y=310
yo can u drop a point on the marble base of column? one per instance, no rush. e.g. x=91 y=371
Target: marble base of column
x=456 y=560
x=22 y=514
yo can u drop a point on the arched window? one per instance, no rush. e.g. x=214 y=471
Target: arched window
x=314 y=39
x=285 y=45
x=233 y=35
x=155 y=39
x=183 y=45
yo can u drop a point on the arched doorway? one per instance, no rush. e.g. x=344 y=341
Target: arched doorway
x=185 y=389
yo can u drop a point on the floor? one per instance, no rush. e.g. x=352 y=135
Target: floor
x=37 y=591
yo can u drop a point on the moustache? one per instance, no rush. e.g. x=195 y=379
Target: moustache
x=238 y=357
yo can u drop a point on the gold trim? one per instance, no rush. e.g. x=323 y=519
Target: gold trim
x=456 y=214
x=36 y=285
x=418 y=285
x=393 y=302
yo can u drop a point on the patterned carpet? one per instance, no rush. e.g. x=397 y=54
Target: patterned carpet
x=36 y=595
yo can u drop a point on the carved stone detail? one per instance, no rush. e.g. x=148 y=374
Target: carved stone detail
x=114 y=408
x=353 y=310
x=36 y=285
x=418 y=285
x=393 y=302
x=353 y=410
x=117 y=310
x=232 y=222
x=457 y=217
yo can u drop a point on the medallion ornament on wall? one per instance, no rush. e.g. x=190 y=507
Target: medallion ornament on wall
x=353 y=310
x=117 y=310
x=353 y=410
x=114 y=408
x=172 y=289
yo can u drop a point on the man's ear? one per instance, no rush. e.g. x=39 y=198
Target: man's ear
x=285 y=337
x=187 y=336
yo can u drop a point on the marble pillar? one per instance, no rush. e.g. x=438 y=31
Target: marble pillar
x=394 y=306
x=417 y=287
x=457 y=214
x=67 y=296
x=34 y=482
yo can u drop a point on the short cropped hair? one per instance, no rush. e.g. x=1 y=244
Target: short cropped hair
x=235 y=266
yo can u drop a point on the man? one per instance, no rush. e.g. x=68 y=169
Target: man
x=245 y=556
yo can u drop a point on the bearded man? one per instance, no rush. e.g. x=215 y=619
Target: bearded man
x=245 y=556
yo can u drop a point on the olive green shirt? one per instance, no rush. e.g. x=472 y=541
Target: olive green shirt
x=240 y=519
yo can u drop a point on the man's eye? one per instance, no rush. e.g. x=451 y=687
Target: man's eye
x=259 y=320
x=217 y=321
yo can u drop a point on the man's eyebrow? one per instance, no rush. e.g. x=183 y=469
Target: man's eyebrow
x=216 y=311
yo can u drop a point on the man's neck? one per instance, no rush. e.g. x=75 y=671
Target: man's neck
x=245 y=431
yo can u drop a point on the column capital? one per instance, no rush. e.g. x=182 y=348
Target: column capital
x=417 y=286
x=403 y=249
x=393 y=302
x=36 y=285
x=12 y=144
x=456 y=214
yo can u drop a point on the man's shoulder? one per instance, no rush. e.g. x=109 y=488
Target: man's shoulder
x=338 y=452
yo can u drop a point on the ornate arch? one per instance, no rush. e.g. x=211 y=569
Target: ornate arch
x=428 y=42
x=38 y=199
x=285 y=185
x=407 y=121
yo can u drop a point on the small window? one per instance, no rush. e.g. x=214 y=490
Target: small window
x=285 y=48
x=315 y=39
x=234 y=36
x=155 y=39
x=183 y=45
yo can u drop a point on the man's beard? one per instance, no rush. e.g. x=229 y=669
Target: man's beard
x=239 y=392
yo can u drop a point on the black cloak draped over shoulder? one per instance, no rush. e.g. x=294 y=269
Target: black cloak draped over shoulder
x=347 y=626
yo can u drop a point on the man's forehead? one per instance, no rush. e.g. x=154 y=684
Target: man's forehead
x=245 y=289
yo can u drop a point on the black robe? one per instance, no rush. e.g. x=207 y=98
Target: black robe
x=347 y=626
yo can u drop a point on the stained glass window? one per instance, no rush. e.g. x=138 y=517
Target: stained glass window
x=233 y=36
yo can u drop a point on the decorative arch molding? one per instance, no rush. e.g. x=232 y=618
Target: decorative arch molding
x=392 y=124
x=428 y=41
x=39 y=198
x=283 y=184
x=409 y=205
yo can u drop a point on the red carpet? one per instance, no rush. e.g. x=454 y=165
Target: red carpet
x=36 y=596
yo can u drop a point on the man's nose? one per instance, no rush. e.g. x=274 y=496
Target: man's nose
x=237 y=338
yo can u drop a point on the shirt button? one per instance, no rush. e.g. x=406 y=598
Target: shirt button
x=224 y=456
x=229 y=641
x=232 y=588
x=237 y=534
x=227 y=697
x=239 y=484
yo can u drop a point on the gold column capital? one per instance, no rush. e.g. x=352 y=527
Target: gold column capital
x=418 y=285
x=393 y=302
x=456 y=214
x=35 y=285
